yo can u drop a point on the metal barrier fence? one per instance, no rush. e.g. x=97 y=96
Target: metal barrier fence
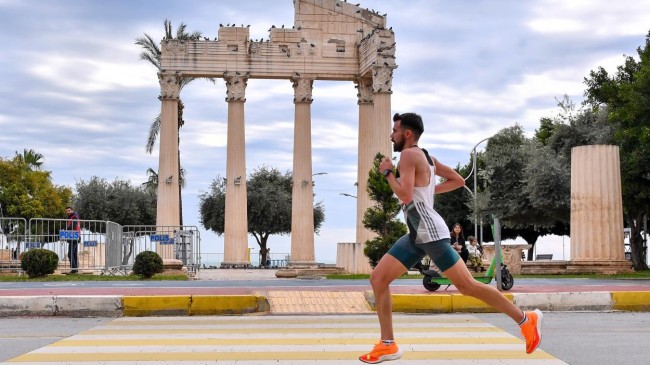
x=170 y=242
x=95 y=241
x=12 y=242
x=101 y=245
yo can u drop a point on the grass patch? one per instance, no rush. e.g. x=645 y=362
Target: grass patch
x=83 y=277
x=367 y=276
x=645 y=274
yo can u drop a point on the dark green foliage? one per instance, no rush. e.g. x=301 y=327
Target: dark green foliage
x=147 y=264
x=625 y=97
x=382 y=217
x=118 y=201
x=39 y=262
x=269 y=199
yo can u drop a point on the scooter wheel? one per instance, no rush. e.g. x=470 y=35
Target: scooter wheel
x=428 y=285
x=507 y=281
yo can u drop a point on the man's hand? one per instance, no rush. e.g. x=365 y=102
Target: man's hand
x=385 y=164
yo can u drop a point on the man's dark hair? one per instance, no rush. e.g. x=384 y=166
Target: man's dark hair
x=410 y=121
x=68 y=207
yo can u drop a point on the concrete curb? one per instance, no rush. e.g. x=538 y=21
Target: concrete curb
x=190 y=305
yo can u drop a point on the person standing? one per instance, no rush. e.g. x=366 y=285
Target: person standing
x=428 y=235
x=73 y=225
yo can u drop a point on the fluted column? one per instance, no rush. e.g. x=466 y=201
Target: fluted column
x=367 y=153
x=302 y=207
x=596 y=211
x=382 y=81
x=596 y=204
x=167 y=208
x=235 y=249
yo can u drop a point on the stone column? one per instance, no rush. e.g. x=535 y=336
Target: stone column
x=382 y=81
x=302 y=207
x=596 y=211
x=366 y=156
x=235 y=248
x=168 y=205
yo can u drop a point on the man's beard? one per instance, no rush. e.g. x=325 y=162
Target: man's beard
x=398 y=146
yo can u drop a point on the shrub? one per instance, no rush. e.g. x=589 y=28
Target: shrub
x=39 y=262
x=147 y=263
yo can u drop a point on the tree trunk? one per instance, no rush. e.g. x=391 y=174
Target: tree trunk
x=530 y=237
x=636 y=243
x=263 y=250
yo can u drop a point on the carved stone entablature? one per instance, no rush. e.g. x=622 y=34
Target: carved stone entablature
x=382 y=80
x=170 y=85
x=174 y=46
x=365 y=95
x=302 y=89
x=236 y=87
x=254 y=49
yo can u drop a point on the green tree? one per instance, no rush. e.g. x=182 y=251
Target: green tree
x=625 y=96
x=516 y=184
x=151 y=53
x=269 y=199
x=382 y=217
x=117 y=201
x=26 y=193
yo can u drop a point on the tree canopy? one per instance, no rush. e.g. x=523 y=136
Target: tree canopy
x=27 y=192
x=117 y=201
x=625 y=98
x=269 y=198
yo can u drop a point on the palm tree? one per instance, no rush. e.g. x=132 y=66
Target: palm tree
x=31 y=158
x=151 y=54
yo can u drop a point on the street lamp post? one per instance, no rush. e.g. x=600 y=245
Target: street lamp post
x=474 y=173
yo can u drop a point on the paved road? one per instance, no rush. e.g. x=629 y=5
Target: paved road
x=249 y=286
x=439 y=339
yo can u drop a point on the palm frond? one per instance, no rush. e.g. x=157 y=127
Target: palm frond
x=168 y=29
x=154 y=129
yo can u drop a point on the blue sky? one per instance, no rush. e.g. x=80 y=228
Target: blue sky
x=73 y=88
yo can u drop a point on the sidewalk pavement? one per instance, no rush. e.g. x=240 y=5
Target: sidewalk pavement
x=280 y=298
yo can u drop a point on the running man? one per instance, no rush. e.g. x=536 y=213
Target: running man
x=415 y=187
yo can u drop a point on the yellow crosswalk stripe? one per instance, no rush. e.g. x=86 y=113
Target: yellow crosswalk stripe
x=336 y=339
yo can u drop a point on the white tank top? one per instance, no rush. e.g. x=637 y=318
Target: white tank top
x=424 y=223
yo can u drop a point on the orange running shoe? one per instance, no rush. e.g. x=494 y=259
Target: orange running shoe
x=532 y=330
x=382 y=352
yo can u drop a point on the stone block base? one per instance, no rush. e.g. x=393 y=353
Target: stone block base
x=308 y=271
x=575 y=267
x=599 y=267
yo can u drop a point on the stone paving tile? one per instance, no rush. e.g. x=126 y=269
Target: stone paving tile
x=317 y=302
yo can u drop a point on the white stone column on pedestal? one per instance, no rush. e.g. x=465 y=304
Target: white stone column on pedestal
x=367 y=150
x=382 y=81
x=235 y=249
x=302 y=207
x=168 y=205
x=596 y=210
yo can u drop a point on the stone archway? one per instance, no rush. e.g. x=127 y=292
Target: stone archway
x=330 y=40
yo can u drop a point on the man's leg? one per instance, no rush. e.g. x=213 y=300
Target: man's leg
x=530 y=323
x=74 y=257
x=387 y=270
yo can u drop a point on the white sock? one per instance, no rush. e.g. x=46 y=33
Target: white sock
x=388 y=342
x=523 y=320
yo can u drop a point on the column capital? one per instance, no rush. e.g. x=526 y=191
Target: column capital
x=170 y=85
x=364 y=85
x=302 y=89
x=235 y=87
x=382 y=80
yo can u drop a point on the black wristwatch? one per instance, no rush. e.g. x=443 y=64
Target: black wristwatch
x=387 y=172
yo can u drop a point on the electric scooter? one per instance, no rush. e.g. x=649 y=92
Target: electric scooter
x=433 y=280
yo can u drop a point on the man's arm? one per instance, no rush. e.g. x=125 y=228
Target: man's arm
x=453 y=180
x=404 y=187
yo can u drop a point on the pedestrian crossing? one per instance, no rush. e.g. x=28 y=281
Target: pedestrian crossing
x=273 y=339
